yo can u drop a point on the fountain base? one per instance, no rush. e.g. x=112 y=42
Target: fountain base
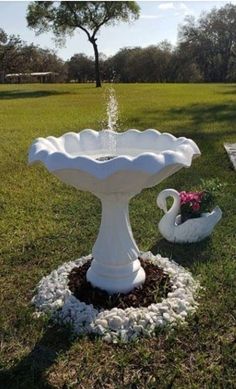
x=54 y=297
x=115 y=279
x=157 y=285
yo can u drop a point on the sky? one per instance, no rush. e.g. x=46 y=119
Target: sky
x=158 y=21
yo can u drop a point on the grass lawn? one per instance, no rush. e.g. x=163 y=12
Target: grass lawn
x=44 y=223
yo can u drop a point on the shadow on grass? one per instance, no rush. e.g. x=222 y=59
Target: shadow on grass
x=199 y=116
x=30 y=371
x=48 y=246
x=18 y=94
x=203 y=126
x=184 y=254
x=231 y=89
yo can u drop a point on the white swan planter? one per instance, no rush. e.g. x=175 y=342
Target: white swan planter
x=192 y=230
x=141 y=160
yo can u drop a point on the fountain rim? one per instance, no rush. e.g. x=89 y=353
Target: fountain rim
x=148 y=162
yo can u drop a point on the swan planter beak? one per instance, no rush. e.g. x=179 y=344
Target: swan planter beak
x=192 y=230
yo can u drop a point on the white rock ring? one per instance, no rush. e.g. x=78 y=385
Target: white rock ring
x=54 y=296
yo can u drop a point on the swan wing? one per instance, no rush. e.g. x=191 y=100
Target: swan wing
x=197 y=229
x=215 y=215
x=189 y=231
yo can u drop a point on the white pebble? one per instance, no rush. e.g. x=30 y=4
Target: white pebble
x=102 y=322
x=52 y=293
x=115 y=323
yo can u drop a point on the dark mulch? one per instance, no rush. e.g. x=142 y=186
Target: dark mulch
x=156 y=287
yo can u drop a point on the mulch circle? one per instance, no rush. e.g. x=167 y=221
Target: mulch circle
x=156 y=287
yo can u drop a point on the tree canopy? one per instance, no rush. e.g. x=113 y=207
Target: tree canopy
x=205 y=52
x=211 y=42
x=18 y=57
x=65 y=17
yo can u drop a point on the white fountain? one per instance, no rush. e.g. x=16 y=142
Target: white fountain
x=114 y=167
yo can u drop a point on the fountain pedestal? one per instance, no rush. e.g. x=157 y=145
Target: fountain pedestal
x=115 y=266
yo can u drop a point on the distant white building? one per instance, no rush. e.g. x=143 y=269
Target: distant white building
x=18 y=78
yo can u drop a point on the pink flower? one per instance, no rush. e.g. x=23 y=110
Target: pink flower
x=183 y=197
x=196 y=206
x=198 y=196
x=186 y=197
x=192 y=204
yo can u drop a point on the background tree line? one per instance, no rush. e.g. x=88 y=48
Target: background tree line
x=205 y=52
x=18 y=57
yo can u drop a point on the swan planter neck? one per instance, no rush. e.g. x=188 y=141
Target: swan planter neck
x=114 y=167
x=192 y=230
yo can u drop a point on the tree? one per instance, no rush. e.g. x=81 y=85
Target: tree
x=3 y=36
x=18 y=57
x=35 y=59
x=65 y=17
x=150 y=64
x=211 y=42
x=182 y=68
x=118 y=65
x=80 y=68
x=10 y=49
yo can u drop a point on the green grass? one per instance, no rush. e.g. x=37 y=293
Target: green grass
x=44 y=223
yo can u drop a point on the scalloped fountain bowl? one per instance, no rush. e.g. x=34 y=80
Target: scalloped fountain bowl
x=114 y=167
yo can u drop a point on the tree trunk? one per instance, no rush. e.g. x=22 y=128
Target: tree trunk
x=97 y=69
x=226 y=60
